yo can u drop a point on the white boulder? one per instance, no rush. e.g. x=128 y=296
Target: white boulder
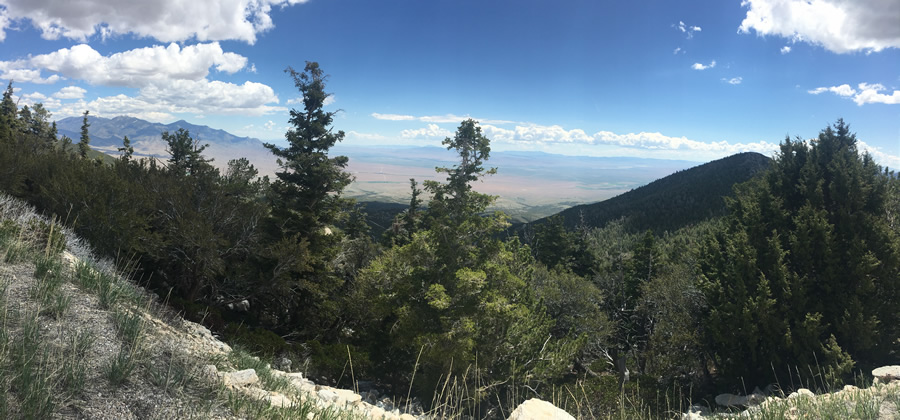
x=886 y=374
x=535 y=409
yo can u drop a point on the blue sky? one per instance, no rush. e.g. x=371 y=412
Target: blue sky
x=675 y=79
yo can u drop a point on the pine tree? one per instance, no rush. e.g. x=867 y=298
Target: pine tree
x=808 y=266
x=8 y=113
x=84 y=145
x=186 y=154
x=306 y=205
x=126 y=150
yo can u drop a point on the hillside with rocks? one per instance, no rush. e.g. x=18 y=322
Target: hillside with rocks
x=81 y=341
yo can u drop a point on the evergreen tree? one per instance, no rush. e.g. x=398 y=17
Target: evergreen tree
x=808 y=267
x=186 y=153
x=84 y=145
x=457 y=293
x=306 y=204
x=126 y=150
x=8 y=114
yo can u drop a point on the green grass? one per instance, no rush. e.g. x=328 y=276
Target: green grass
x=47 y=289
x=130 y=329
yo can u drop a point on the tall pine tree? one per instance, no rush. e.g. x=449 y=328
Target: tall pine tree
x=306 y=204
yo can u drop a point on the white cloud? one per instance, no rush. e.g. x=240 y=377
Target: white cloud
x=867 y=93
x=270 y=125
x=699 y=66
x=785 y=49
x=365 y=136
x=733 y=80
x=141 y=66
x=678 y=50
x=439 y=119
x=170 y=79
x=881 y=157
x=17 y=71
x=252 y=68
x=842 y=90
x=329 y=100
x=164 y=20
x=36 y=97
x=430 y=132
x=70 y=92
x=4 y=23
x=391 y=117
x=538 y=134
x=838 y=25
x=688 y=30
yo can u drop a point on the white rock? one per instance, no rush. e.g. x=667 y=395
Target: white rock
x=240 y=378
x=327 y=395
x=802 y=392
x=535 y=409
x=886 y=374
x=278 y=400
x=346 y=396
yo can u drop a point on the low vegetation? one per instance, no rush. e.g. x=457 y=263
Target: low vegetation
x=604 y=317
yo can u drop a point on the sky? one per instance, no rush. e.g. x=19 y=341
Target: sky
x=676 y=79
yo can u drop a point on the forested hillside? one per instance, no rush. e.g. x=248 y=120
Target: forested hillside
x=796 y=279
x=667 y=204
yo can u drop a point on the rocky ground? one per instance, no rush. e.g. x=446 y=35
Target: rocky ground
x=881 y=400
x=79 y=341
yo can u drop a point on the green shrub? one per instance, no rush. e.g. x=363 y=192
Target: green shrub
x=259 y=341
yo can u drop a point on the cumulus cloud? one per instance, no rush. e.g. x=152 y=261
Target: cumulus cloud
x=733 y=80
x=538 y=134
x=31 y=99
x=842 y=90
x=17 y=71
x=138 y=67
x=677 y=51
x=164 y=20
x=881 y=157
x=170 y=79
x=870 y=94
x=867 y=93
x=439 y=119
x=699 y=66
x=687 y=30
x=432 y=131
x=70 y=92
x=785 y=49
x=270 y=125
x=840 y=26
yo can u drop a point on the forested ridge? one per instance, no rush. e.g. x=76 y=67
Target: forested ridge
x=684 y=198
x=798 y=277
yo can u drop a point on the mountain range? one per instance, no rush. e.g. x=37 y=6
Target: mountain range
x=146 y=139
x=529 y=185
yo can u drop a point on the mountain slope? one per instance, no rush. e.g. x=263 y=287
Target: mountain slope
x=669 y=203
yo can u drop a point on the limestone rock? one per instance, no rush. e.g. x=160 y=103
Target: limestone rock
x=240 y=378
x=802 y=392
x=535 y=409
x=327 y=395
x=886 y=374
